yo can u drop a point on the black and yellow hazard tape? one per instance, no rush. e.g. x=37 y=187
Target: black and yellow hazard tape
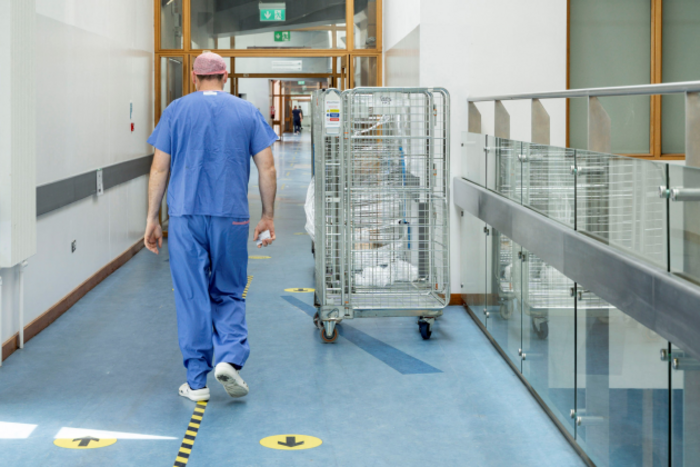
x=247 y=286
x=190 y=435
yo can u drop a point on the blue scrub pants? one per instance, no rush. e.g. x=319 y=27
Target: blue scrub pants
x=209 y=262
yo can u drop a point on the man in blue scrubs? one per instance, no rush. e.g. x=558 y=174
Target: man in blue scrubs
x=204 y=142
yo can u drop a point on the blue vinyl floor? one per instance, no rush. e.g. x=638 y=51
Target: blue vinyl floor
x=380 y=396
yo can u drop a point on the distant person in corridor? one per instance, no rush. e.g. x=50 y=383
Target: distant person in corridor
x=204 y=142
x=297 y=115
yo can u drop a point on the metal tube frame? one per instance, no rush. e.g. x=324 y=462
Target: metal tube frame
x=352 y=311
x=642 y=89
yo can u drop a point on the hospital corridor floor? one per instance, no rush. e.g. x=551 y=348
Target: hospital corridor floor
x=99 y=387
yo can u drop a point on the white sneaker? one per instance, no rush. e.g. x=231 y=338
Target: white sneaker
x=194 y=394
x=229 y=377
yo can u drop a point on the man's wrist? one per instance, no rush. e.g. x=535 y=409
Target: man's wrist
x=267 y=218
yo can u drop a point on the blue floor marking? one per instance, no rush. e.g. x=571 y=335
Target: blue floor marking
x=398 y=360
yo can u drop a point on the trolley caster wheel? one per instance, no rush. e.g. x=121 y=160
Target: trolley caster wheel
x=317 y=321
x=424 y=329
x=543 y=330
x=329 y=340
x=506 y=310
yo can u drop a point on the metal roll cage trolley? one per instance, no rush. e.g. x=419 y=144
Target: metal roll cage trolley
x=381 y=168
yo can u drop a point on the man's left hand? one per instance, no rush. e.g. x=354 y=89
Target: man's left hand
x=265 y=223
x=153 y=238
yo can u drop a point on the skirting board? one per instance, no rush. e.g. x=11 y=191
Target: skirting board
x=63 y=305
x=456 y=300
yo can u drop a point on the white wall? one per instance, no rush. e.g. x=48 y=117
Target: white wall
x=473 y=47
x=401 y=42
x=17 y=133
x=400 y=18
x=402 y=61
x=257 y=91
x=93 y=58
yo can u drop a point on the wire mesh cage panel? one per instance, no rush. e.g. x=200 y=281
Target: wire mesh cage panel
x=381 y=200
x=328 y=212
x=396 y=153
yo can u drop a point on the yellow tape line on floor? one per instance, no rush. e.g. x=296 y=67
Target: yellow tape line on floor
x=245 y=291
x=190 y=435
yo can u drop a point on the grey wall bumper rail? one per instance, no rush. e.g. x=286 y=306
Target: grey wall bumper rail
x=659 y=300
x=58 y=194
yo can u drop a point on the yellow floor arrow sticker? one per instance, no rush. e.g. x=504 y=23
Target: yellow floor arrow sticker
x=86 y=442
x=291 y=442
x=299 y=290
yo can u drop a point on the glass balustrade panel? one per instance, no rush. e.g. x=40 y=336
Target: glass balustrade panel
x=503 y=167
x=622 y=387
x=685 y=403
x=474 y=254
x=504 y=320
x=548 y=184
x=684 y=207
x=474 y=157
x=618 y=203
x=548 y=334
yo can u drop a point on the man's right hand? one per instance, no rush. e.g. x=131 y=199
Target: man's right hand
x=153 y=238
x=266 y=223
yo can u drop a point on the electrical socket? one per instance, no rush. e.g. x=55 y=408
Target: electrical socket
x=73 y=246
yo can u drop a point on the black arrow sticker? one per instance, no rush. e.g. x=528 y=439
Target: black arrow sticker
x=291 y=442
x=85 y=441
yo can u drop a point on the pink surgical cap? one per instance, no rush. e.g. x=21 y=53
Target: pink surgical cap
x=209 y=63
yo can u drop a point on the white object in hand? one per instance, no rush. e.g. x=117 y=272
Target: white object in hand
x=264 y=236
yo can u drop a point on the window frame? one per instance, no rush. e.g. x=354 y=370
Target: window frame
x=189 y=54
x=655 y=75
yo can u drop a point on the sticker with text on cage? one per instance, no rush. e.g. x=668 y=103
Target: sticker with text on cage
x=333 y=115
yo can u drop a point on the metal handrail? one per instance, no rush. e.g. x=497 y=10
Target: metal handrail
x=641 y=89
x=657 y=299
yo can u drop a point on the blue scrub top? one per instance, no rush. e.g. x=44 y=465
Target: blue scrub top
x=210 y=137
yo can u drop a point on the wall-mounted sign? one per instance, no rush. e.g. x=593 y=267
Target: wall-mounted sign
x=283 y=36
x=273 y=11
x=287 y=65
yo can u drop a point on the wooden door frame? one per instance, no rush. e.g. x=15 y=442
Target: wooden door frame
x=342 y=78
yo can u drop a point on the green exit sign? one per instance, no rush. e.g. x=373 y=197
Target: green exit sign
x=301 y=82
x=273 y=11
x=283 y=36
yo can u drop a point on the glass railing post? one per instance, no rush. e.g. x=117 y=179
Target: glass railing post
x=598 y=126
x=692 y=124
x=540 y=123
x=474 y=125
x=501 y=120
